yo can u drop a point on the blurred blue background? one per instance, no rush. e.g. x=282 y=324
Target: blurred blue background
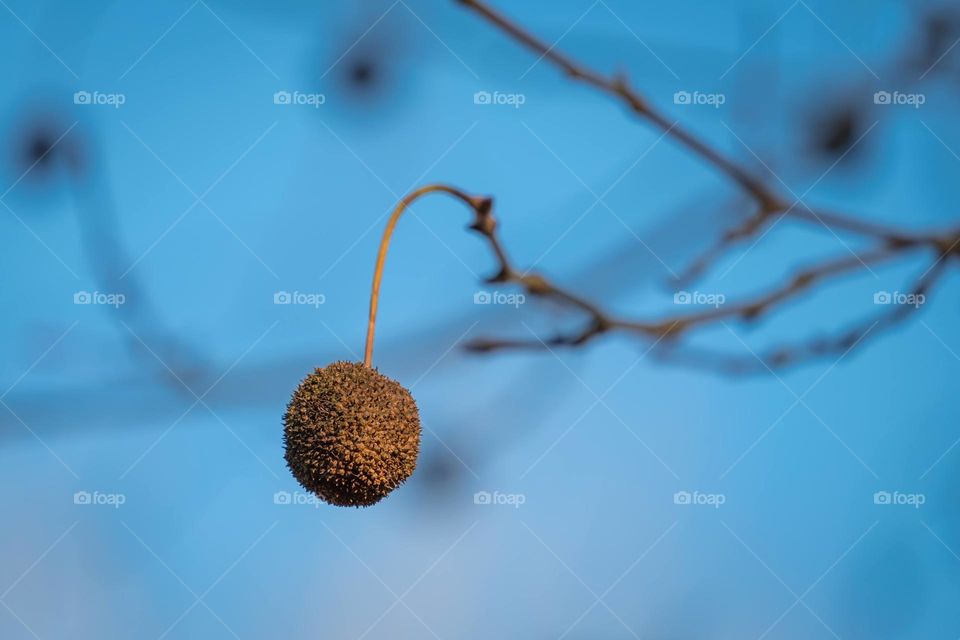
x=145 y=155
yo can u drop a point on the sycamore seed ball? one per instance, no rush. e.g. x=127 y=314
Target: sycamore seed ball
x=351 y=434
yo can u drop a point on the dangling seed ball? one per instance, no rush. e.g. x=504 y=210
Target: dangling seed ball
x=352 y=435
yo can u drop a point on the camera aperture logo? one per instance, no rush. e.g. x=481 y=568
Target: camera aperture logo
x=915 y=100
x=299 y=298
x=296 y=498
x=911 y=299
x=98 y=499
x=696 y=498
x=497 y=498
x=515 y=100
x=699 y=298
x=96 y=297
x=96 y=98
x=714 y=100
x=499 y=298
x=897 y=498
x=299 y=98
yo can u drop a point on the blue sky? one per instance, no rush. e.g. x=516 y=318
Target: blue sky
x=177 y=180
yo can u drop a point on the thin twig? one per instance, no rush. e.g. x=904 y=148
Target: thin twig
x=787 y=355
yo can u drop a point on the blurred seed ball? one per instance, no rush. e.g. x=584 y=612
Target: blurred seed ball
x=374 y=78
x=362 y=72
x=352 y=435
x=366 y=77
x=43 y=144
x=940 y=31
x=836 y=130
x=36 y=148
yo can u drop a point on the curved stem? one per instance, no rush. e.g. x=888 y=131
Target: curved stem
x=472 y=202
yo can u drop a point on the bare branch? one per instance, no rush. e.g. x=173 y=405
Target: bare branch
x=887 y=242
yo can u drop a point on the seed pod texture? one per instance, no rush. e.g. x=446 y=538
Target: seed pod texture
x=351 y=434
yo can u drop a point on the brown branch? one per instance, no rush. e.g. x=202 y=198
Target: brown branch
x=770 y=202
x=888 y=243
x=600 y=322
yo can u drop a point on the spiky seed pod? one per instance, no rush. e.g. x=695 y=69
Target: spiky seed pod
x=351 y=434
